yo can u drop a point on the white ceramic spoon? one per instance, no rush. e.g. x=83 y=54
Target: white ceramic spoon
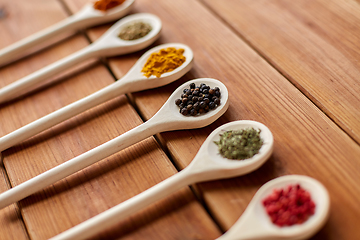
x=133 y=81
x=256 y=224
x=207 y=165
x=86 y=17
x=109 y=44
x=167 y=118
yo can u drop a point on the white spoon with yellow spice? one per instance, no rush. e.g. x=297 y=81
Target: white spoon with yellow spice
x=255 y=223
x=88 y=16
x=133 y=81
x=109 y=44
x=168 y=118
x=207 y=165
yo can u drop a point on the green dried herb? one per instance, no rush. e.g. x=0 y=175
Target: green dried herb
x=135 y=31
x=239 y=144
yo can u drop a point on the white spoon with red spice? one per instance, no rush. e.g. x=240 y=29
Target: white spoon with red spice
x=109 y=44
x=207 y=165
x=133 y=81
x=255 y=223
x=167 y=118
x=86 y=17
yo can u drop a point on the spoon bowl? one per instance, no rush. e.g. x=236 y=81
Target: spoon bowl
x=88 y=16
x=84 y=18
x=139 y=82
x=256 y=224
x=107 y=45
x=207 y=165
x=208 y=158
x=177 y=121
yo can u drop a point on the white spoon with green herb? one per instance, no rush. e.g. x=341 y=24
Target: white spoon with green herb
x=207 y=165
x=109 y=44
x=133 y=81
x=254 y=223
x=167 y=118
x=87 y=16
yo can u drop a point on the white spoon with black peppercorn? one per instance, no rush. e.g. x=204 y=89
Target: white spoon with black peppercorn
x=255 y=223
x=86 y=17
x=109 y=44
x=133 y=81
x=167 y=118
x=208 y=164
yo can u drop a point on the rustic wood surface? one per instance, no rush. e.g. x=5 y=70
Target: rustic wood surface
x=315 y=44
x=293 y=67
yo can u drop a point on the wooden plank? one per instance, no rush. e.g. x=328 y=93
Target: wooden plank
x=12 y=226
x=313 y=43
x=306 y=140
x=103 y=185
x=17 y=22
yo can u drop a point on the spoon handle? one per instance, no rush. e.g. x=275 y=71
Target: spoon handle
x=115 y=214
x=78 y=163
x=22 y=85
x=115 y=89
x=12 y=51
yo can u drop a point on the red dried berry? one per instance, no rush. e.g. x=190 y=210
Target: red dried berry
x=289 y=206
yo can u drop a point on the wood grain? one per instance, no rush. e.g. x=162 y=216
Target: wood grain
x=306 y=140
x=315 y=44
x=12 y=226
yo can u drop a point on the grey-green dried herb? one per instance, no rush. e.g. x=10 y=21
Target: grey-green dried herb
x=135 y=31
x=239 y=144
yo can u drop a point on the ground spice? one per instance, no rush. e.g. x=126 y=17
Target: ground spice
x=104 y=5
x=135 y=31
x=289 y=206
x=239 y=144
x=166 y=60
x=198 y=99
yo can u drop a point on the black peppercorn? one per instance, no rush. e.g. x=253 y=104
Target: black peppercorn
x=198 y=99
x=211 y=105
x=184 y=111
x=196 y=106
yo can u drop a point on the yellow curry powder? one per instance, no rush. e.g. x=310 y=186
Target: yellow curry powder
x=104 y=5
x=166 y=60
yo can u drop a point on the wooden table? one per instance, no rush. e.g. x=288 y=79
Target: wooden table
x=292 y=65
